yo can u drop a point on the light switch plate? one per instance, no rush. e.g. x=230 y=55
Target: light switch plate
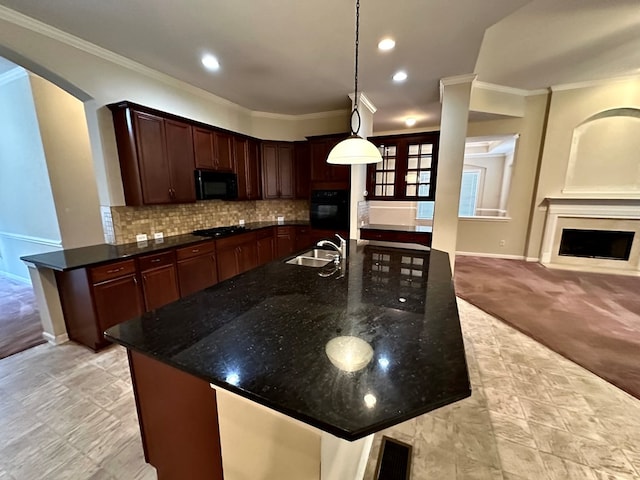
x=141 y=237
x=241 y=222
x=158 y=236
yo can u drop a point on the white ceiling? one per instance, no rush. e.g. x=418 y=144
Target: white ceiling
x=296 y=57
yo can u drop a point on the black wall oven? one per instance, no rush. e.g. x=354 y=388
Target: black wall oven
x=330 y=209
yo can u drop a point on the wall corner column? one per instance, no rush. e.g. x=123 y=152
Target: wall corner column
x=455 y=96
x=359 y=172
x=45 y=288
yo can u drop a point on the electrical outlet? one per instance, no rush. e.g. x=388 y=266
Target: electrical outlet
x=503 y=243
x=241 y=222
x=158 y=236
x=141 y=237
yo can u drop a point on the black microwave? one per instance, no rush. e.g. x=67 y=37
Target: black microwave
x=216 y=185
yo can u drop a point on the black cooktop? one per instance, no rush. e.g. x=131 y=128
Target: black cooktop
x=219 y=231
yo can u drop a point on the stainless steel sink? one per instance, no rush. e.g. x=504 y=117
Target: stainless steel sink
x=320 y=253
x=309 y=261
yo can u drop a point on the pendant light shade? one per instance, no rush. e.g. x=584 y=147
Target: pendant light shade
x=355 y=150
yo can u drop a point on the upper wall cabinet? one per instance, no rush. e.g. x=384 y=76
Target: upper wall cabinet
x=302 y=169
x=213 y=150
x=247 y=160
x=408 y=168
x=323 y=174
x=156 y=156
x=277 y=170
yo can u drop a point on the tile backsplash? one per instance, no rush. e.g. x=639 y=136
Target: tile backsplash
x=127 y=222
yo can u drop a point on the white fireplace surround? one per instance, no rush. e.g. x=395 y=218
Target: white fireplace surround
x=614 y=214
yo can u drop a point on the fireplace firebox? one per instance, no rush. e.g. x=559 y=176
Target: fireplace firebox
x=608 y=244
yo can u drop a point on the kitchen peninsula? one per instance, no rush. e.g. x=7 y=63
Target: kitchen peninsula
x=270 y=336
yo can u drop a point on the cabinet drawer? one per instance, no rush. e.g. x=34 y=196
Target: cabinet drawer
x=235 y=240
x=195 y=250
x=112 y=270
x=156 y=260
x=265 y=233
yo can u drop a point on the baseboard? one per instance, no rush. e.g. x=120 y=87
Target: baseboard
x=11 y=276
x=491 y=255
x=55 y=340
x=532 y=259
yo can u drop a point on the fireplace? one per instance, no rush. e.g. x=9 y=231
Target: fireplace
x=596 y=243
x=592 y=234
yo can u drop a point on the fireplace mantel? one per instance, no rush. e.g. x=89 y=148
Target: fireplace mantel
x=592 y=213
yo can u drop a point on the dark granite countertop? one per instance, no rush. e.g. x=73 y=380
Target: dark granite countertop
x=263 y=335
x=398 y=228
x=97 y=254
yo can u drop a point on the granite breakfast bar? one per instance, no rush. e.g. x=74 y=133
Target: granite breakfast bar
x=346 y=349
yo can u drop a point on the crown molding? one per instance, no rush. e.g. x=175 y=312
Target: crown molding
x=12 y=75
x=458 y=79
x=594 y=83
x=366 y=101
x=510 y=90
x=304 y=116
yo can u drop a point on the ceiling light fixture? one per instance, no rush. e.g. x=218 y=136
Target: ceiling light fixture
x=400 y=76
x=355 y=150
x=410 y=122
x=210 y=62
x=386 y=44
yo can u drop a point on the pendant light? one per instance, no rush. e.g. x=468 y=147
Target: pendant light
x=355 y=149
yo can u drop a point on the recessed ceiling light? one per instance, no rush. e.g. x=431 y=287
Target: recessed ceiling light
x=386 y=44
x=400 y=76
x=410 y=122
x=210 y=62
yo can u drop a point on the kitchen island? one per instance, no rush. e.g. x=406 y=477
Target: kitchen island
x=349 y=349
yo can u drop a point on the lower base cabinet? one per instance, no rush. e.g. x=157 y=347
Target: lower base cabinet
x=94 y=299
x=266 y=245
x=159 y=279
x=197 y=268
x=236 y=255
x=178 y=420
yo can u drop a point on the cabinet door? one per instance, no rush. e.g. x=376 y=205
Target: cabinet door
x=179 y=147
x=270 y=184
x=266 y=250
x=241 y=153
x=285 y=170
x=303 y=238
x=248 y=256
x=319 y=167
x=286 y=241
x=159 y=286
x=224 y=152
x=302 y=169
x=203 y=148
x=253 y=171
x=227 y=263
x=117 y=300
x=198 y=273
x=152 y=158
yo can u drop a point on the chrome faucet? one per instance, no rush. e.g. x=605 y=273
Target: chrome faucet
x=342 y=249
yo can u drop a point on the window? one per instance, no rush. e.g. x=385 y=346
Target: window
x=469 y=193
x=407 y=170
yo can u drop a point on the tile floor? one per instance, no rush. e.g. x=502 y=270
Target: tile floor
x=66 y=413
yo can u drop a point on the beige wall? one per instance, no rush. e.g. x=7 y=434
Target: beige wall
x=63 y=130
x=485 y=235
x=568 y=110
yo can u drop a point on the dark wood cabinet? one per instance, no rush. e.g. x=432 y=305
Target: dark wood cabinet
x=421 y=238
x=213 y=150
x=303 y=237
x=236 y=255
x=285 y=240
x=156 y=156
x=323 y=174
x=97 y=298
x=159 y=279
x=302 y=156
x=197 y=267
x=277 y=170
x=247 y=160
x=266 y=245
